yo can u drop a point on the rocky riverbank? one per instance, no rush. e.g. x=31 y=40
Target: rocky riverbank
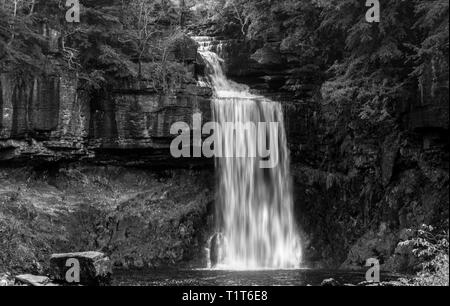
x=140 y=218
x=76 y=269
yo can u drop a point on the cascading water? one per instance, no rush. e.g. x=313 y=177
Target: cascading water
x=255 y=213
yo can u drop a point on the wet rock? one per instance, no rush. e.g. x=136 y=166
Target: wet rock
x=95 y=268
x=390 y=152
x=330 y=282
x=368 y=284
x=215 y=255
x=373 y=244
x=32 y=280
x=394 y=283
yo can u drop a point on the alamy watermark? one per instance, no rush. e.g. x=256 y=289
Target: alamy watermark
x=373 y=13
x=73 y=273
x=243 y=140
x=373 y=274
x=73 y=13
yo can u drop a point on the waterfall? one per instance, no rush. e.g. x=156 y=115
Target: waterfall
x=255 y=206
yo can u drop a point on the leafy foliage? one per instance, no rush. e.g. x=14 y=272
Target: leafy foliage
x=115 y=41
x=379 y=66
x=431 y=249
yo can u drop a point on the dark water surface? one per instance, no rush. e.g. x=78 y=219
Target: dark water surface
x=173 y=277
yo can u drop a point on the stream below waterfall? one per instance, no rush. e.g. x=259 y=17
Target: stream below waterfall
x=200 y=277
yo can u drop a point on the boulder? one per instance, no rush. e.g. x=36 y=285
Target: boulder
x=394 y=283
x=32 y=280
x=95 y=268
x=330 y=282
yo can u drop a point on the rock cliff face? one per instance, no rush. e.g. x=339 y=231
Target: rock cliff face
x=51 y=118
x=41 y=117
x=68 y=177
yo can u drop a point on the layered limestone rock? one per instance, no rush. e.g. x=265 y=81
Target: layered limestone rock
x=49 y=118
x=41 y=117
x=52 y=118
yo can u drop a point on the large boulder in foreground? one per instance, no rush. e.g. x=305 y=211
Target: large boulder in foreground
x=95 y=268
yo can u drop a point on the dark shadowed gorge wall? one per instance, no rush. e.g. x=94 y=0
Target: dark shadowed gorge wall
x=360 y=183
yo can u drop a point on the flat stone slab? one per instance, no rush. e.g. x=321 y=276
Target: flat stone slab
x=32 y=280
x=87 y=255
x=85 y=268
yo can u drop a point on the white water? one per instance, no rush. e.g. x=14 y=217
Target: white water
x=255 y=213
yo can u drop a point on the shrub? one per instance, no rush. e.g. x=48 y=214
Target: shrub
x=431 y=248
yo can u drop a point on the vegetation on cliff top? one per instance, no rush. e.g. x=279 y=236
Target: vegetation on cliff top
x=376 y=64
x=115 y=41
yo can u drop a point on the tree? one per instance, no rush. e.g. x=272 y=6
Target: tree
x=237 y=8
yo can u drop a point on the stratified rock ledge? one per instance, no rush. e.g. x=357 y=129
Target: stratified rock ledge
x=32 y=280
